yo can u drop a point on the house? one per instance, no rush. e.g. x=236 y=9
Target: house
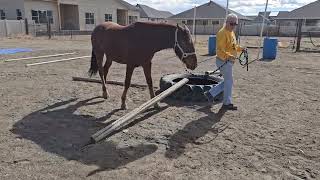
x=150 y=14
x=281 y=20
x=210 y=17
x=259 y=18
x=70 y=14
x=310 y=13
x=11 y=11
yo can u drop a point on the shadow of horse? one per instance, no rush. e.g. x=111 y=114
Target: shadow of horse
x=194 y=131
x=58 y=129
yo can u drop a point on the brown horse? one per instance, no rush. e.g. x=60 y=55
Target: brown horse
x=135 y=45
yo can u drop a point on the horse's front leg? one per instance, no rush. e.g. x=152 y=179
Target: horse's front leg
x=147 y=74
x=127 y=83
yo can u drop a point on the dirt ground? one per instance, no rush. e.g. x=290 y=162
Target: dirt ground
x=45 y=119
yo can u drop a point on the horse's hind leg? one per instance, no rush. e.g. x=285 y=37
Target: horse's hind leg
x=127 y=83
x=106 y=68
x=99 y=56
x=147 y=73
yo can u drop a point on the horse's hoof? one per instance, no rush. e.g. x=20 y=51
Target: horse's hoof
x=124 y=106
x=105 y=95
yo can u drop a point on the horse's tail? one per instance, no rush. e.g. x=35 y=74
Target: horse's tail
x=94 y=65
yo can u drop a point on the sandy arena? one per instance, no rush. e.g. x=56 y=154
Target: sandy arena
x=45 y=118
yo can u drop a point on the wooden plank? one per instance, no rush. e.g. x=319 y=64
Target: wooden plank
x=129 y=118
x=55 y=61
x=108 y=82
x=39 y=57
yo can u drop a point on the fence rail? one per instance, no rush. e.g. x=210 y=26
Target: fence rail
x=12 y=27
x=16 y=27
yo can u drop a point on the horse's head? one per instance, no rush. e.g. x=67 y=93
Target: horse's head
x=184 y=47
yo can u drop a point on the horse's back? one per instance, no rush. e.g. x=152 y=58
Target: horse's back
x=111 y=39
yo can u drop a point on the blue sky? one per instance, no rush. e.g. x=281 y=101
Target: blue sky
x=245 y=7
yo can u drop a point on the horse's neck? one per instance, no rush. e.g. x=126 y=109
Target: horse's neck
x=161 y=37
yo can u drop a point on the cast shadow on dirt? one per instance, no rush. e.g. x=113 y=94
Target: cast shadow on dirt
x=195 y=130
x=60 y=130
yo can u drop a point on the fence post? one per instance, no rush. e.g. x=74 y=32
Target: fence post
x=21 y=26
x=6 y=27
x=35 y=28
x=26 y=26
x=299 y=34
x=49 y=27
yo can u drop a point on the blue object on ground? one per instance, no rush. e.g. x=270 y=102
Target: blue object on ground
x=270 y=48
x=14 y=50
x=212 y=45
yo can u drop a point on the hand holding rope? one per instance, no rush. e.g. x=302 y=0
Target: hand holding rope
x=243 y=60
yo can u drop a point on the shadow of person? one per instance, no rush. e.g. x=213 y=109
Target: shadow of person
x=193 y=131
x=58 y=129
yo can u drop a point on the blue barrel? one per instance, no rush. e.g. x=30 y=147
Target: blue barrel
x=270 y=48
x=212 y=45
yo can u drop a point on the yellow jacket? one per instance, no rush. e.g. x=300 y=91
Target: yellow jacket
x=226 y=44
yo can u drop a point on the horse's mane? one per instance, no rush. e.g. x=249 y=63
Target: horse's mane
x=148 y=24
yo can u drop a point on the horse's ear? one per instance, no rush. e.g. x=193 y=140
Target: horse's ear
x=186 y=28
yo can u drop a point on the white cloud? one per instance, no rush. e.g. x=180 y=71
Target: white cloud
x=241 y=6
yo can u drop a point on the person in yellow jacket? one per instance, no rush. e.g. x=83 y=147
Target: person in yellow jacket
x=227 y=49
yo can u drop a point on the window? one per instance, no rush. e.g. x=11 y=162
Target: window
x=107 y=17
x=2 y=14
x=35 y=16
x=204 y=22
x=215 y=22
x=50 y=16
x=41 y=17
x=133 y=19
x=199 y=22
x=89 y=18
x=189 y=22
x=19 y=14
x=311 y=22
x=184 y=22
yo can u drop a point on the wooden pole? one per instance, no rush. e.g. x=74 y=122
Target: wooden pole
x=49 y=27
x=194 y=23
x=108 y=82
x=59 y=60
x=227 y=9
x=6 y=27
x=39 y=57
x=26 y=26
x=262 y=28
x=299 y=35
x=128 y=118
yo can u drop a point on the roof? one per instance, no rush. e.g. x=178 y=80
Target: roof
x=309 y=11
x=210 y=10
x=128 y=5
x=260 y=17
x=149 y=12
x=282 y=14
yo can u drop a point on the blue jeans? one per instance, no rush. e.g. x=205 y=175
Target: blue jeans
x=226 y=71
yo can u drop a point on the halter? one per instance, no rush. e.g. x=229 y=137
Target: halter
x=176 y=44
